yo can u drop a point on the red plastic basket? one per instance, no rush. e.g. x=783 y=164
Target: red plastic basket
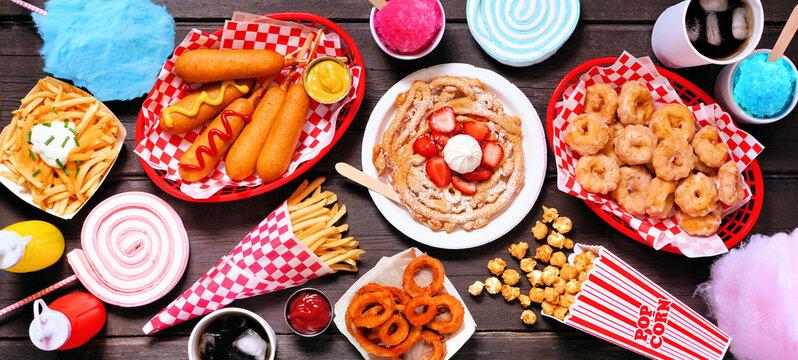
x=345 y=118
x=736 y=225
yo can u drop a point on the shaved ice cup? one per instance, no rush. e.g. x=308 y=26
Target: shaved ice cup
x=674 y=49
x=401 y=56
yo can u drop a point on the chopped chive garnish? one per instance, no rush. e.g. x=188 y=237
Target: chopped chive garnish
x=66 y=139
x=66 y=172
x=73 y=131
x=32 y=155
x=55 y=110
x=66 y=124
x=77 y=143
x=37 y=172
x=77 y=170
x=46 y=124
x=57 y=161
x=49 y=140
x=30 y=133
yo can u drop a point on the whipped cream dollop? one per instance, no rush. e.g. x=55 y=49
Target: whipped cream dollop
x=462 y=153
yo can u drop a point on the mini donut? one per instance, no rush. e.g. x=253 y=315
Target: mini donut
x=597 y=173
x=673 y=120
x=635 y=104
x=696 y=195
x=673 y=159
x=709 y=147
x=602 y=100
x=704 y=168
x=635 y=144
x=730 y=184
x=701 y=225
x=587 y=134
x=609 y=148
x=659 y=198
x=631 y=191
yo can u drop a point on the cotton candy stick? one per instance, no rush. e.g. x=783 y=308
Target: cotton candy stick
x=10 y=308
x=30 y=7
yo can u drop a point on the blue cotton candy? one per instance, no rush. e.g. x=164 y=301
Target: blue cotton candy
x=763 y=89
x=113 y=48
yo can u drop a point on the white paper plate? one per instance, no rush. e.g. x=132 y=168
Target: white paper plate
x=534 y=144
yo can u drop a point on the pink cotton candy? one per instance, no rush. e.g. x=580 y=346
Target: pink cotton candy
x=408 y=26
x=753 y=294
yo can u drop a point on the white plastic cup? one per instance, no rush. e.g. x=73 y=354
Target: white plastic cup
x=199 y=329
x=674 y=49
x=724 y=96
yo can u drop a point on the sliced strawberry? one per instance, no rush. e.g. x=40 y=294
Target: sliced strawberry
x=477 y=130
x=425 y=147
x=492 y=154
x=465 y=187
x=438 y=171
x=458 y=129
x=442 y=120
x=479 y=174
x=440 y=139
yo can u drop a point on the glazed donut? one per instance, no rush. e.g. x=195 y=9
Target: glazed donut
x=704 y=168
x=635 y=104
x=635 y=144
x=673 y=120
x=673 y=159
x=696 y=195
x=597 y=173
x=702 y=225
x=587 y=134
x=602 y=100
x=609 y=148
x=631 y=191
x=659 y=198
x=730 y=184
x=709 y=147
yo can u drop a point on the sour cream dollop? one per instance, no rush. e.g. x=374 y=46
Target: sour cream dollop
x=53 y=141
x=462 y=153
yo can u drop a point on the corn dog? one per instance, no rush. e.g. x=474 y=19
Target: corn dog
x=197 y=108
x=243 y=156
x=284 y=134
x=207 y=65
x=209 y=148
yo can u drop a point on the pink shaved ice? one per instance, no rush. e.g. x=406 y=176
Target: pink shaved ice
x=408 y=26
x=753 y=293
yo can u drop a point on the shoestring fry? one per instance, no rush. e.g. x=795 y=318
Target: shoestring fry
x=314 y=214
x=60 y=189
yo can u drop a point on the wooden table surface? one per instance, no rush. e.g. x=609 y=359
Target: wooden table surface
x=606 y=28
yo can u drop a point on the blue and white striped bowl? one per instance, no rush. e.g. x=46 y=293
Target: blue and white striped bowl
x=521 y=32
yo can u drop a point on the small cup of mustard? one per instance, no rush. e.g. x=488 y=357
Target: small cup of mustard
x=327 y=79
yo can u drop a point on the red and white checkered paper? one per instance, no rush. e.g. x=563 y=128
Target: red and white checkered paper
x=656 y=233
x=162 y=151
x=622 y=306
x=269 y=258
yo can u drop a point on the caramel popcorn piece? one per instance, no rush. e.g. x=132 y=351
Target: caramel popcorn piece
x=535 y=277
x=568 y=244
x=528 y=317
x=511 y=277
x=549 y=214
x=476 y=288
x=562 y=224
x=550 y=275
x=567 y=300
x=560 y=312
x=573 y=287
x=551 y=295
x=524 y=300
x=547 y=307
x=537 y=294
x=556 y=239
x=510 y=293
x=540 y=230
x=496 y=266
x=558 y=259
x=559 y=285
x=518 y=250
x=568 y=272
x=543 y=253
x=493 y=285
x=582 y=261
x=582 y=276
x=527 y=265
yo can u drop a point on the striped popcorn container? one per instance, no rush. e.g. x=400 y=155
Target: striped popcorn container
x=620 y=305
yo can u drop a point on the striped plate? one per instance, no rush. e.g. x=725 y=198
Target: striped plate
x=521 y=32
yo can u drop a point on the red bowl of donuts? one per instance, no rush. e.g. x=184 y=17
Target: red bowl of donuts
x=734 y=226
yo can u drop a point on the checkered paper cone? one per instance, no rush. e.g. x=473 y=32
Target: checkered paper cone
x=656 y=233
x=269 y=258
x=622 y=306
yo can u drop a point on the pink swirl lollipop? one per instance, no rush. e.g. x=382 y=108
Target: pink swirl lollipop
x=135 y=250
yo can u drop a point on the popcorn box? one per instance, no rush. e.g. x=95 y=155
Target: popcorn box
x=620 y=305
x=388 y=271
x=23 y=193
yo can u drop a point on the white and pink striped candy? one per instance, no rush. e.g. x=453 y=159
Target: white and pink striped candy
x=135 y=250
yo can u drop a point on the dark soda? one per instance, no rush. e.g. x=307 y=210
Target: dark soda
x=718 y=29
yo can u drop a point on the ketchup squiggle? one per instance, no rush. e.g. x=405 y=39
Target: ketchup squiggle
x=212 y=149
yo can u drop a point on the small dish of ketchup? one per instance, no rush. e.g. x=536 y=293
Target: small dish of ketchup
x=308 y=312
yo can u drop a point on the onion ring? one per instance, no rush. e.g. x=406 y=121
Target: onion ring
x=429 y=312
x=359 y=308
x=409 y=281
x=434 y=340
x=394 y=331
x=361 y=336
x=456 y=312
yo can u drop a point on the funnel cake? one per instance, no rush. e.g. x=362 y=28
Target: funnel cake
x=410 y=153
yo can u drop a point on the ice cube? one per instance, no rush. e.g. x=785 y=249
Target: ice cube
x=714 y=5
x=740 y=23
x=249 y=346
x=693 y=29
x=713 y=30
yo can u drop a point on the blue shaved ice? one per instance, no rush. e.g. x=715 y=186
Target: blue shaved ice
x=761 y=88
